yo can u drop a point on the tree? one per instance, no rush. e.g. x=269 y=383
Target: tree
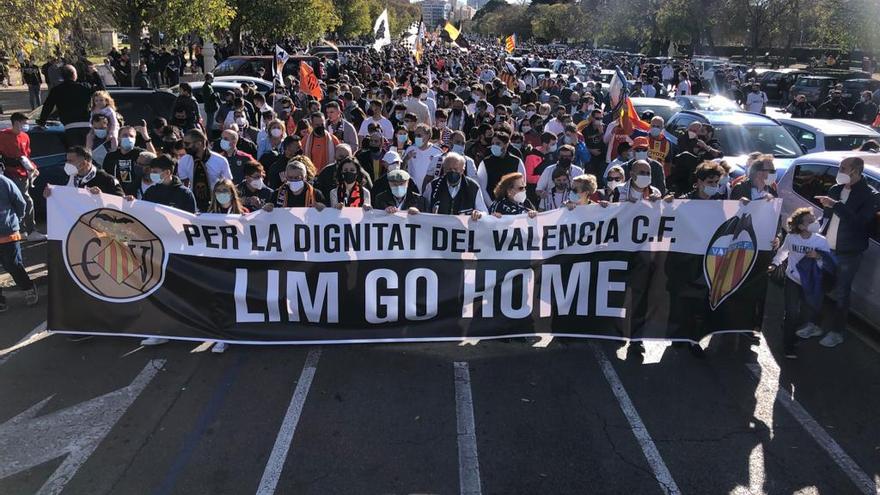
x=25 y=23
x=305 y=20
x=171 y=17
x=358 y=20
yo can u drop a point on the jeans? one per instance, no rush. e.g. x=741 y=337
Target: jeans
x=844 y=273
x=36 y=98
x=797 y=312
x=28 y=223
x=10 y=259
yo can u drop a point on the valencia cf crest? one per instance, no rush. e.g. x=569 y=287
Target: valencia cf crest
x=114 y=257
x=730 y=258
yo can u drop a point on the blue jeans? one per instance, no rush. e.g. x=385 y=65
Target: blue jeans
x=10 y=259
x=34 y=95
x=844 y=273
x=797 y=312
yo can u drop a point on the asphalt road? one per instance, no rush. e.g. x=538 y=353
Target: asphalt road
x=521 y=416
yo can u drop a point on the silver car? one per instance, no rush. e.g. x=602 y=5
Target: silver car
x=812 y=175
x=817 y=135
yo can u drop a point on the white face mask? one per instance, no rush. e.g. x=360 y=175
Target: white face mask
x=225 y=145
x=276 y=132
x=296 y=185
x=771 y=179
x=711 y=190
x=813 y=227
x=843 y=179
x=399 y=191
x=241 y=122
x=692 y=134
x=256 y=183
x=70 y=169
x=641 y=155
x=223 y=198
x=520 y=197
x=614 y=184
x=643 y=181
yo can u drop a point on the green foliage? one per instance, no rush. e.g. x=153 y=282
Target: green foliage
x=306 y=20
x=27 y=24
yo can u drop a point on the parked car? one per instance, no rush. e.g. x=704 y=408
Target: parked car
x=812 y=175
x=739 y=134
x=660 y=106
x=705 y=102
x=47 y=143
x=247 y=65
x=814 y=88
x=261 y=84
x=817 y=135
x=776 y=82
x=853 y=89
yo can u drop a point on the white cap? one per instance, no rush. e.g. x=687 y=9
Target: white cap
x=391 y=156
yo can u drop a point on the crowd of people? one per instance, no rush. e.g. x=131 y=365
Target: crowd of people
x=453 y=134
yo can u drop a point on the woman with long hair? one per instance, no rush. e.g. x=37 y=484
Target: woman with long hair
x=225 y=199
x=349 y=190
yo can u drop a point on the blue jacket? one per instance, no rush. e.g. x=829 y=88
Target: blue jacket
x=857 y=216
x=811 y=277
x=11 y=206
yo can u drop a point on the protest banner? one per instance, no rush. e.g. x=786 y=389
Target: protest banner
x=650 y=270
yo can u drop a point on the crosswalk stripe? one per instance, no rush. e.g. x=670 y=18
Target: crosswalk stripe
x=275 y=464
x=661 y=472
x=468 y=460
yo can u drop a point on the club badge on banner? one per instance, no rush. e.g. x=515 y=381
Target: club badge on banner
x=678 y=270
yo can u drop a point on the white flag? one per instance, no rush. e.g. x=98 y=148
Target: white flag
x=381 y=32
x=281 y=57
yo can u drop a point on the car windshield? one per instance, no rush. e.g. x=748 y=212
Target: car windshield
x=228 y=67
x=744 y=139
x=664 y=111
x=845 y=143
x=812 y=83
x=714 y=103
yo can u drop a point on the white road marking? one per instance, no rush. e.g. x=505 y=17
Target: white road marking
x=767 y=373
x=204 y=346
x=652 y=455
x=546 y=340
x=27 y=441
x=37 y=334
x=468 y=460
x=275 y=464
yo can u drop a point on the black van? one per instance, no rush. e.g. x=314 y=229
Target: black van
x=247 y=65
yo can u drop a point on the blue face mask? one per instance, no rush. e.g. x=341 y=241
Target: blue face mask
x=127 y=143
x=100 y=133
x=458 y=148
x=496 y=150
x=419 y=141
x=155 y=178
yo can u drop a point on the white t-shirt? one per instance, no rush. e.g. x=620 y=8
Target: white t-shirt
x=794 y=248
x=216 y=166
x=834 y=223
x=421 y=163
x=545 y=182
x=684 y=88
x=755 y=101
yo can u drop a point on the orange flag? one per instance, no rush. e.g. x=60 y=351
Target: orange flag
x=308 y=82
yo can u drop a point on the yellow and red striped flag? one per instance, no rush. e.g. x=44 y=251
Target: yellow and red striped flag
x=510 y=43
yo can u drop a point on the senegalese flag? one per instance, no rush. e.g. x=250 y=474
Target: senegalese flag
x=510 y=43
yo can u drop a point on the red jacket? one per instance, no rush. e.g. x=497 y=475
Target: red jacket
x=12 y=147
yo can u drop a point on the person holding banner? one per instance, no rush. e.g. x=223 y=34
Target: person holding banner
x=166 y=188
x=638 y=187
x=350 y=190
x=400 y=196
x=455 y=194
x=82 y=173
x=253 y=191
x=512 y=200
x=225 y=199
x=200 y=168
x=296 y=192
x=583 y=191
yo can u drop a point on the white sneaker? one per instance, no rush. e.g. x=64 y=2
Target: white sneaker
x=219 y=347
x=36 y=236
x=833 y=339
x=808 y=331
x=153 y=341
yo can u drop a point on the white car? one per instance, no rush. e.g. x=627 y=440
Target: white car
x=812 y=175
x=817 y=135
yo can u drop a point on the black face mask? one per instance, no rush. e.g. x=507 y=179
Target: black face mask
x=456 y=111
x=564 y=162
x=349 y=177
x=453 y=177
x=319 y=130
